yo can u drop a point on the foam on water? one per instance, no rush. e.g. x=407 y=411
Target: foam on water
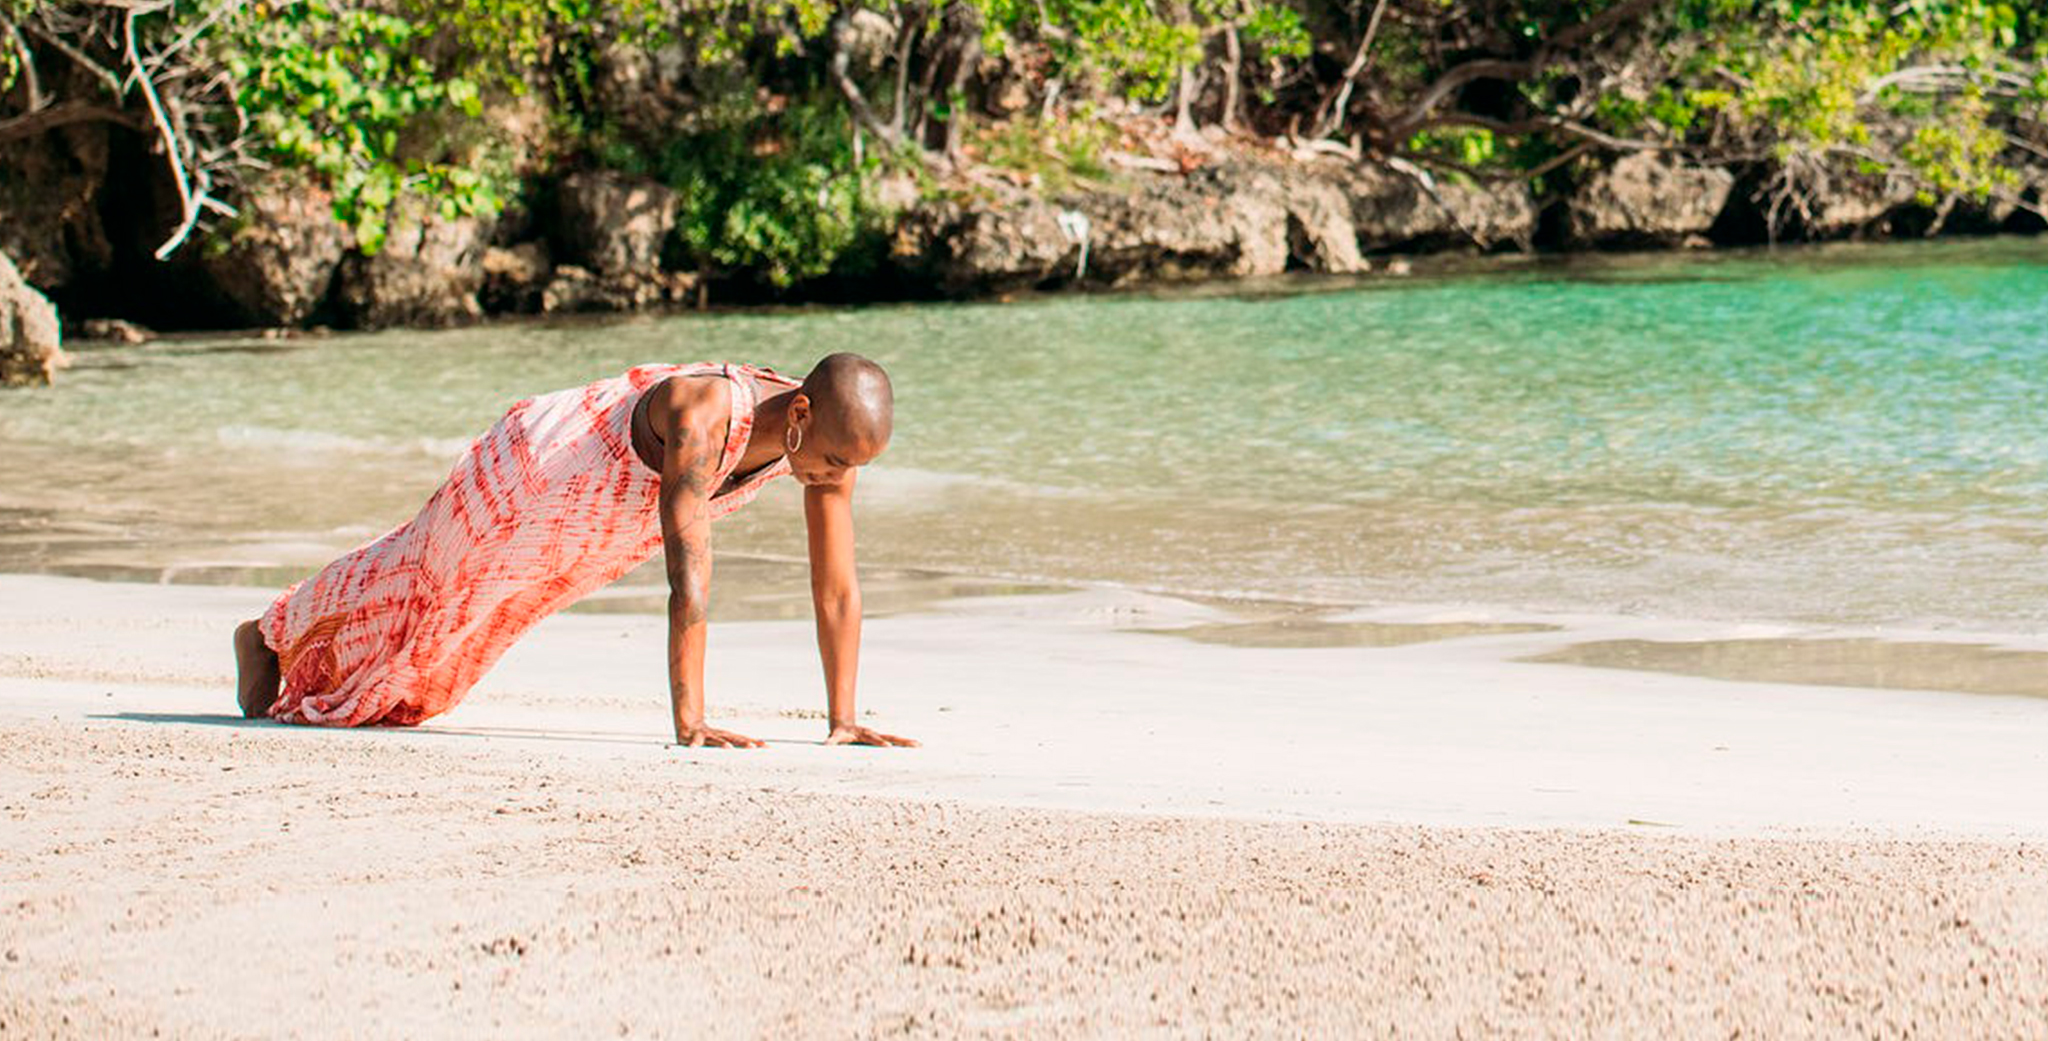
x=277 y=441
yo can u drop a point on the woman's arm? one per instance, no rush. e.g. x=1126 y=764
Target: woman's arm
x=689 y=465
x=835 y=599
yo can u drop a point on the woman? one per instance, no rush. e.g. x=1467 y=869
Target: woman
x=565 y=493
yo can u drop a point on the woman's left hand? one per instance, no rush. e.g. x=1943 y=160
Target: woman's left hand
x=851 y=734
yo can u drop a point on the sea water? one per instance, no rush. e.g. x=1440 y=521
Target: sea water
x=1847 y=435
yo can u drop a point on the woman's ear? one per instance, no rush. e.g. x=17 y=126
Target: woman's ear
x=799 y=409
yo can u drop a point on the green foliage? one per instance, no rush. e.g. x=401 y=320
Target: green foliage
x=1926 y=81
x=1474 y=148
x=776 y=195
x=404 y=101
x=386 y=102
x=349 y=95
x=1053 y=153
x=1140 y=46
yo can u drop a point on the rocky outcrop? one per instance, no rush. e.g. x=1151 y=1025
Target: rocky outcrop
x=114 y=330
x=1175 y=230
x=277 y=266
x=515 y=277
x=614 y=230
x=50 y=192
x=1230 y=221
x=1410 y=211
x=428 y=273
x=1321 y=232
x=31 y=341
x=1852 y=206
x=614 y=224
x=2026 y=212
x=1648 y=199
x=982 y=245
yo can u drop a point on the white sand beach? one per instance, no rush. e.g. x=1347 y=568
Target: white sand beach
x=1109 y=831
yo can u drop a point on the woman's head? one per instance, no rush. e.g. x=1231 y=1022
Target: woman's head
x=840 y=419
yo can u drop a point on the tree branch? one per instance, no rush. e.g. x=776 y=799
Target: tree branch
x=1449 y=83
x=64 y=113
x=1498 y=68
x=1937 y=77
x=1330 y=115
x=1233 y=59
x=26 y=60
x=906 y=45
x=192 y=34
x=189 y=200
x=1534 y=124
x=842 y=78
x=84 y=60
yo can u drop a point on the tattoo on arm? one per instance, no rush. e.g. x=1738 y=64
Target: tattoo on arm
x=686 y=525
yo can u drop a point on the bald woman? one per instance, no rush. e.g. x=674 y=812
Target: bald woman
x=565 y=493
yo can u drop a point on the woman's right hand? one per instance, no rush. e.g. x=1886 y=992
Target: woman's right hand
x=711 y=737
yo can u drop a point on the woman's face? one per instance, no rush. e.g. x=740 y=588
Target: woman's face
x=814 y=463
x=825 y=461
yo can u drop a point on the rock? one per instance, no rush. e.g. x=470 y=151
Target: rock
x=427 y=274
x=1853 y=206
x=50 y=190
x=613 y=231
x=278 y=264
x=1396 y=211
x=613 y=224
x=984 y=246
x=577 y=289
x=1647 y=199
x=114 y=330
x=2025 y=211
x=522 y=265
x=1215 y=223
x=31 y=341
x=1320 y=233
x=1228 y=220
x=515 y=277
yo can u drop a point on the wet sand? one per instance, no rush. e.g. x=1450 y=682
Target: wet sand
x=1110 y=832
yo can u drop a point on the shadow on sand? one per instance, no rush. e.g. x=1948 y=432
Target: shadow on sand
x=228 y=719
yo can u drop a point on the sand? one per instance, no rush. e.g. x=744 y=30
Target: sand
x=1111 y=831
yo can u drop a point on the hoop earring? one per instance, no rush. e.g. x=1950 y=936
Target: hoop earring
x=792 y=439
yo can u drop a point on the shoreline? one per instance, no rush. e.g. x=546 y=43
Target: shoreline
x=88 y=332
x=1117 y=701
x=1102 y=835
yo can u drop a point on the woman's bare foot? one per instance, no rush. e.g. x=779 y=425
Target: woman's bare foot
x=255 y=671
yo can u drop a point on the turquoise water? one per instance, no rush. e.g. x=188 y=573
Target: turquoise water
x=1847 y=435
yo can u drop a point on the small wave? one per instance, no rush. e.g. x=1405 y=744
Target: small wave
x=321 y=442
x=911 y=482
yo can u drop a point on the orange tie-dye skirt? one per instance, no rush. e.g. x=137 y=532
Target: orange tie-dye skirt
x=548 y=505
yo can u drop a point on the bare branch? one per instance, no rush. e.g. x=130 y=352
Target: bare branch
x=26 y=64
x=857 y=102
x=1330 y=115
x=172 y=144
x=1530 y=126
x=1496 y=68
x=182 y=42
x=82 y=59
x=1560 y=159
x=906 y=45
x=64 y=113
x=1934 y=78
x=1450 y=82
x=1600 y=23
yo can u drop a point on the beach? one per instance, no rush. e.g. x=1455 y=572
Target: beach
x=1133 y=814
x=1630 y=647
